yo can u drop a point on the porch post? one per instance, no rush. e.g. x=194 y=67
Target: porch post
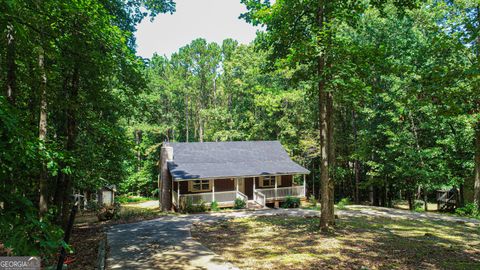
x=275 y=187
x=213 y=190
x=254 y=195
x=236 y=183
x=178 y=194
x=304 y=186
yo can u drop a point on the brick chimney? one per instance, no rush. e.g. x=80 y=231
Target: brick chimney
x=165 y=184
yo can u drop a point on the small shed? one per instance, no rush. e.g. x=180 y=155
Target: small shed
x=447 y=199
x=106 y=195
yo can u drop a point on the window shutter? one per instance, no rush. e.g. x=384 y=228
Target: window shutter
x=278 y=178
x=190 y=183
x=260 y=181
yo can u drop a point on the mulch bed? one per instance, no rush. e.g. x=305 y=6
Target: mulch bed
x=85 y=240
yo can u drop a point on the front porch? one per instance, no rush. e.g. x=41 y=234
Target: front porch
x=252 y=190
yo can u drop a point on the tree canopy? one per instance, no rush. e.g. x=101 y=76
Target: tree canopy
x=380 y=100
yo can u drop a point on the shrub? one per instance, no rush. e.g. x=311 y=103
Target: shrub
x=291 y=202
x=469 y=210
x=187 y=206
x=23 y=233
x=312 y=200
x=214 y=206
x=239 y=204
x=108 y=212
x=93 y=206
x=342 y=204
x=418 y=206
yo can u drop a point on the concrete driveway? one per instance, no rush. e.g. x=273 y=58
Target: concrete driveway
x=166 y=243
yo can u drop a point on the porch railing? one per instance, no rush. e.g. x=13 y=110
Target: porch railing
x=271 y=193
x=219 y=197
x=242 y=196
x=259 y=198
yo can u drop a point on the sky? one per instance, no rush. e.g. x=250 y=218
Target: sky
x=214 y=20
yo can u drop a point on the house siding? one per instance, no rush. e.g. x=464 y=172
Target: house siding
x=228 y=184
x=286 y=182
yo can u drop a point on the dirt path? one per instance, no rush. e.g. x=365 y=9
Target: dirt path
x=166 y=243
x=354 y=210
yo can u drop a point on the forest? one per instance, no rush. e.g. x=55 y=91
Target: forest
x=379 y=99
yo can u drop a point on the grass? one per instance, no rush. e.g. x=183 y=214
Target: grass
x=134 y=212
x=432 y=207
x=123 y=199
x=281 y=242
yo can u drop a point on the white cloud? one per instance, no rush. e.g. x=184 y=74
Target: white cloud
x=214 y=20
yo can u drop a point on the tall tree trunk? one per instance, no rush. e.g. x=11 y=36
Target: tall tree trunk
x=461 y=195
x=326 y=217
x=410 y=200
x=11 y=66
x=331 y=156
x=356 y=163
x=476 y=197
x=138 y=141
x=477 y=166
x=425 y=199
x=62 y=131
x=42 y=131
x=200 y=129
x=371 y=194
x=71 y=130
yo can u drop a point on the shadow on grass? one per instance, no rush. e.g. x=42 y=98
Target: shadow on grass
x=377 y=243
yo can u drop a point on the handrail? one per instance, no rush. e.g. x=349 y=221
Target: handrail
x=243 y=196
x=206 y=193
x=280 y=188
x=263 y=201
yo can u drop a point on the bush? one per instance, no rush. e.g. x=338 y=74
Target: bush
x=291 y=202
x=239 y=204
x=418 y=206
x=93 y=206
x=342 y=204
x=187 y=206
x=108 y=212
x=312 y=200
x=469 y=210
x=214 y=206
x=23 y=233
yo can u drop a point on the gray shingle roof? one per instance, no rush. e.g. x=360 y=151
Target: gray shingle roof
x=230 y=159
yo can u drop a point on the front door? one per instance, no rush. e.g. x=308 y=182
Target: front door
x=249 y=188
x=241 y=185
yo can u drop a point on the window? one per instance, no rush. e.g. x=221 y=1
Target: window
x=268 y=181
x=200 y=185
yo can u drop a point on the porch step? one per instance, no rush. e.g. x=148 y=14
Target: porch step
x=253 y=205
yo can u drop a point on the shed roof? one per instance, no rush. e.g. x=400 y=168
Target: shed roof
x=209 y=160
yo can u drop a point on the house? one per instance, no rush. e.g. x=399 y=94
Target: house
x=259 y=172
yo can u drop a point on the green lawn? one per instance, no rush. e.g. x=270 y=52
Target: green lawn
x=358 y=243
